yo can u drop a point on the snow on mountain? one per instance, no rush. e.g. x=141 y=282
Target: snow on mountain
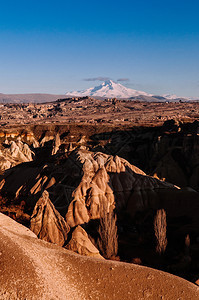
x=111 y=89
x=108 y=89
x=170 y=97
x=175 y=97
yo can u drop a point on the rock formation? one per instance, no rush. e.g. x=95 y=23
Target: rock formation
x=47 y=223
x=14 y=153
x=56 y=144
x=73 y=187
x=81 y=243
x=82 y=180
x=57 y=177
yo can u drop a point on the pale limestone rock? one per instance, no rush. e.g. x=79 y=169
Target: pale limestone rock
x=2 y=182
x=112 y=180
x=27 y=152
x=56 y=144
x=81 y=243
x=86 y=179
x=5 y=164
x=46 y=139
x=47 y=223
x=14 y=149
x=51 y=182
x=82 y=140
x=17 y=153
x=35 y=143
x=77 y=213
x=38 y=186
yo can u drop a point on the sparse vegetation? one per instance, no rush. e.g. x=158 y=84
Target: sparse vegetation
x=187 y=244
x=108 y=238
x=160 y=228
x=187 y=241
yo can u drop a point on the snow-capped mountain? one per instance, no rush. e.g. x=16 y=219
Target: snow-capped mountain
x=108 y=89
x=111 y=89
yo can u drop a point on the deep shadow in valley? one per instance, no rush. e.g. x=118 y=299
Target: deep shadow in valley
x=169 y=152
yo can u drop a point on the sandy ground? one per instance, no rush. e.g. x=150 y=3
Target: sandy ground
x=33 y=269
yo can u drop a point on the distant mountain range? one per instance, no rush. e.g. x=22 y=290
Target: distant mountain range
x=111 y=89
x=26 y=98
x=107 y=89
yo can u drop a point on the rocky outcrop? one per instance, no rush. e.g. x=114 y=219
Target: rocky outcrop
x=114 y=181
x=46 y=139
x=82 y=180
x=75 y=187
x=13 y=153
x=170 y=150
x=47 y=223
x=80 y=243
x=56 y=144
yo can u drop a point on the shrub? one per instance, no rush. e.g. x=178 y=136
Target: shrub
x=187 y=241
x=187 y=244
x=160 y=228
x=108 y=238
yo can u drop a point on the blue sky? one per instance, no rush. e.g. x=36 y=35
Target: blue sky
x=52 y=46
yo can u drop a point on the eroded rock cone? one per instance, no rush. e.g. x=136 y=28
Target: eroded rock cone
x=47 y=223
x=80 y=243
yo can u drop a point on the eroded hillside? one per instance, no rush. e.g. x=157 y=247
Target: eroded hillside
x=66 y=182
x=169 y=152
x=75 y=170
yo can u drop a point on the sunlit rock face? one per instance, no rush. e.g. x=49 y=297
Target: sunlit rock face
x=122 y=185
x=13 y=153
x=47 y=223
x=77 y=184
x=80 y=243
x=169 y=151
x=112 y=180
x=64 y=195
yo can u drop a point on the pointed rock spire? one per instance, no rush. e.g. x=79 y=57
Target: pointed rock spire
x=47 y=223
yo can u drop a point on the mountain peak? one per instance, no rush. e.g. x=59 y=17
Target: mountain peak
x=108 y=89
x=109 y=81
